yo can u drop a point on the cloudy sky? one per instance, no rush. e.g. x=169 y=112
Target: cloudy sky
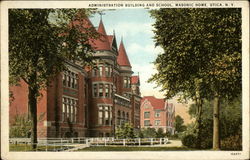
x=135 y=26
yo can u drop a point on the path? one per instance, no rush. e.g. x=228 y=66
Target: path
x=172 y=143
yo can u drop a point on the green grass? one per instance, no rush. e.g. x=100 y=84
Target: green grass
x=115 y=148
x=27 y=147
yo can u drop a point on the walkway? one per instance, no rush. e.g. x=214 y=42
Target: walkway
x=172 y=143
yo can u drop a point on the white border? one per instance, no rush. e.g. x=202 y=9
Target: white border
x=118 y=155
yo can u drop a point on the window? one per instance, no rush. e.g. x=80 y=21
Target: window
x=75 y=112
x=69 y=109
x=157 y=122
x=107 y=71
x=64 y=80
x=119 y=117
x=63 y=110
x=125 y=82
x=111 y=90
x=105 y=115
x=70 y=79
x=94 y=72
x=146 y=114
x=100 y=90
x=76 y=83
x=146 y=122
x=95 y=90
x=100 y=71
x=127 y=117
x=157 y=113
x=100 y=116
x=111 y=71
x=72 y=111
x=73 y=80
x=106 y=90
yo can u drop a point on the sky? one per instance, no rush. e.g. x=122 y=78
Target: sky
x=135 y=26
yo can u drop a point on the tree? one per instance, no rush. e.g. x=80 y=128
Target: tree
x=125 y=131
x=41 y=42
x=201 y=58
x=231 y=122
x=149 y=133
x=179 y=127
x=160 y=133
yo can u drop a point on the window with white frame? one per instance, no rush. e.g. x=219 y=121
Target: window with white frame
x=106 y=90
x=157 y=122
x=63 y=110
x=100 y=70
x=146 y=122
x=127 y=117
x=104 y=115
x=64 y=80
x=75 y=114
x=107 y=71
x=106 y=118
x=95 y=92
x=125 y=82
x=70 y=79
x=100 y=115
x=100 y=90
x=69 y=109
x=146 y=114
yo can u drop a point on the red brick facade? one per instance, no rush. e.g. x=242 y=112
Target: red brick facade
x=82 y=102
x=157 y=113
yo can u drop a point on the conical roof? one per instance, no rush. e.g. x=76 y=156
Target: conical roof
x=103 y=42
x=122 y=58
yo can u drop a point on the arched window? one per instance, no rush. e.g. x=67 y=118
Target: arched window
x=119 y=114
x=119 y=117
x=123 y=115
x=127 y=116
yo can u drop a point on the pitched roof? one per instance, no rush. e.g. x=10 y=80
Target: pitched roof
x=122 y=58
x=135 y=80
x=110 y=38
x=103 y=42
x=84 y=22
x=155 y=102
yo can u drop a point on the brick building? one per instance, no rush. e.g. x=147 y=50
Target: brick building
x=86 y=102
x=157 y=113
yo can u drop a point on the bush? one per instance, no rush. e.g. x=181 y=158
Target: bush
x=21 y=127
x=175 y=136
x=125 y=131
x=189 y=140
x=206 y=142
x=232 y=143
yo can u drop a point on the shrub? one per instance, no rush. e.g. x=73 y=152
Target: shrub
x=232 y=143
x=21 y=127
x=206 y=142
x=189 y=140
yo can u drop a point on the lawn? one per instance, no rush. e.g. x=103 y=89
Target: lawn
x=116 y=148
x=27 y=147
